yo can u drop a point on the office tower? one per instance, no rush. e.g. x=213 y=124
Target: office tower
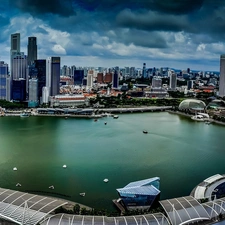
x=144 y=74
x=173 y=80
x=64 y=70
x=33 y=92
x=156 y=82
x=40 y=66
x=108 y=78
x=53 y=75
x=19 y=66
x=78 y=77
x=222 y=76
x=19 y=89
x=15 y=43
x=3 y=80
x=45 y=95
x=132 y=72
x=31 y=50
x=100 y=78
x=90 y=80
x=190 y=84
x=115 y=79
x=73 y=68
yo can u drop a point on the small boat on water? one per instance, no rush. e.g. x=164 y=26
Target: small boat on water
x=105 y=123
x=64 y=166
x=115 y=117
x=15 y=169
x=106 y=180
x=145 y=131
x=18 y=185
x=82 y=194
x=51 y=187
x=200 y=117
x=24 y=114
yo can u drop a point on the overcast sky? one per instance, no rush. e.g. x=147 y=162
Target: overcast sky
x=161 y=33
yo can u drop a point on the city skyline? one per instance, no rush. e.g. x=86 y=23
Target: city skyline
x=85 y=33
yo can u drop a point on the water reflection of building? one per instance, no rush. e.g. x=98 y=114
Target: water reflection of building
x=140 y=194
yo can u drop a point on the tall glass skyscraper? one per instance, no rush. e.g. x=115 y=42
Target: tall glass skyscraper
x=222 y=76
x=40 y=66
x=53 y=75
x=3 y=80
x=31 y=50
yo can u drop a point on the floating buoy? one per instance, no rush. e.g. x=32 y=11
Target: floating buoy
x=14 y=168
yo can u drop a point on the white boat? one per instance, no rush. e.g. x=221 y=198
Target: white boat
x=15 y=169
x=198 y=118
x=82 y=194
x=18 y=185
x=145 y=131
x=24 y=114
x=106 y=180
x=201 y=117
x=115 y=117
x=51 y=187
x=64 y=166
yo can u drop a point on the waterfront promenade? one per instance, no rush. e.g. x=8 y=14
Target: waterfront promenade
x=87 y=112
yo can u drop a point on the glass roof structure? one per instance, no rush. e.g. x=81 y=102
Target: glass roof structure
x=148 y=219
x=23 y=208
x=184 y=210
x=192 y=104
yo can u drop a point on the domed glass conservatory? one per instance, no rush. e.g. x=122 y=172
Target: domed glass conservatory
x=192 y=104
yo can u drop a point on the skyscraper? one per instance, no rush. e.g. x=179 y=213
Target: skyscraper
x=19 y=66
x=40 y=66
x=3 y=80
x=115 y=79
x=222 y=76
x=53 y=75
x=33 y=92
x=15 y=47
x=173 y=80
x=144 y=75
x=31 y=50
x=15 y=43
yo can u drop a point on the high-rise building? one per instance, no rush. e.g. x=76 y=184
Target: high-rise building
x=89 y=80
x=144 y=74
x=156 y=82
x=100 y=78
x=222 y=76
x=78 y=77
x=19 y=66
x=3 y=80
x=31 y=50
x=15 y=43
x=108 y=78
x=19 y=89
x=115 y=79
x=40 y=66
x=173 y=80
x=53 y=75
x=33 y=92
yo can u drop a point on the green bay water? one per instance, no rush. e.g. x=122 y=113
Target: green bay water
x=180 y=151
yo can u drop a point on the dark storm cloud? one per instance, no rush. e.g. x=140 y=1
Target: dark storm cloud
x=143 y=39
x=40 y=7
x=151 y=21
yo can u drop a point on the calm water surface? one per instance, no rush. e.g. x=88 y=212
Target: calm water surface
x=178 y=150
